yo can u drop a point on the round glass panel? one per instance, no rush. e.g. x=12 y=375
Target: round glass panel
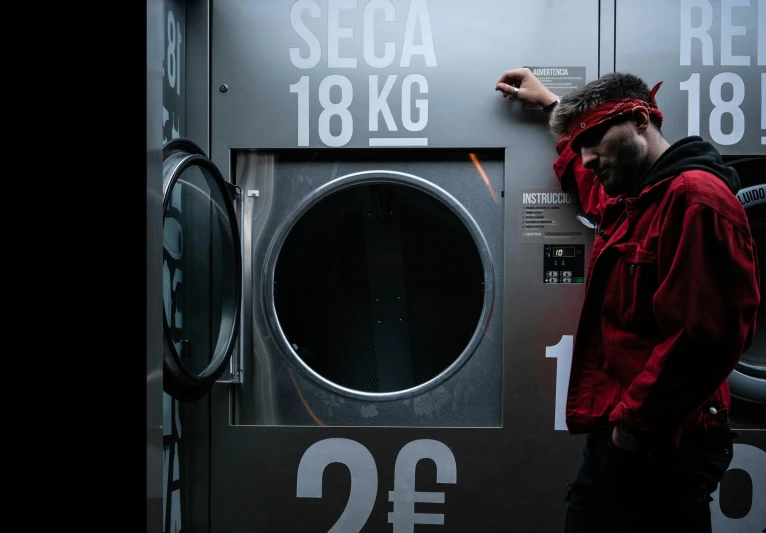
x=379 y=287
x=200 y=271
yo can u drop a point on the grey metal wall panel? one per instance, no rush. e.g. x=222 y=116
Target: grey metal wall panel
x=606 y=20
x=472 y=45
x=522 y=466
x=197 y=64
x=711 y=56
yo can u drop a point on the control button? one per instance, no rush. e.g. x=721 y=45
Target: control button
x=552 y=280
x=566 y=274
x=553 y=274
x=566 y=280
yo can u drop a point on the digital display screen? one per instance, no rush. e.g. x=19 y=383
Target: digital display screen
x=563 y=251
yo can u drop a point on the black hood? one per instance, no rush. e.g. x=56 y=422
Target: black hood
x=690 y=153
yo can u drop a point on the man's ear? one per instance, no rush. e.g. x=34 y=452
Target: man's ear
x=640 y=117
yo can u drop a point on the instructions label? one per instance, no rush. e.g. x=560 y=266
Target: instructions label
x=549 y=216
x=559 y=80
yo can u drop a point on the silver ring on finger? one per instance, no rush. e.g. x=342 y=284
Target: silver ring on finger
x=515 y=91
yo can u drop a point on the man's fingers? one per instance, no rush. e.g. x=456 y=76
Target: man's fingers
x=506 y=89
x=514 y=76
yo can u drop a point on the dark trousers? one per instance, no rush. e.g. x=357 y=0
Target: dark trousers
x=618 y=491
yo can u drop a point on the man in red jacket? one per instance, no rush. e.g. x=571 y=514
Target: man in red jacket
x=671 y=297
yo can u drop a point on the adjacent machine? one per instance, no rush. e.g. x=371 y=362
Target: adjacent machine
x=371 y=278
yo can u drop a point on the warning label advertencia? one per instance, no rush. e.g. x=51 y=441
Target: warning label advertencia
x=558 y=80
x=549 y=215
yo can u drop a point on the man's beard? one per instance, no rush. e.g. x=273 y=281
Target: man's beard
x=622 y=172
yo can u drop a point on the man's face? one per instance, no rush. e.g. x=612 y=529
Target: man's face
x=613 y=152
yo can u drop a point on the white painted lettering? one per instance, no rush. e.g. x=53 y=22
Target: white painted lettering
x=562 y=352
x=418 y=15
x=551 y=72
x=302 y=89
x=692 y=85
x=730 y=107
x=369 y=34
x=420 y=103
x=728 y=31
x=339 y=109
x=315 y=49
x=335 y=33
x=547 y=198
x=700 y=32
x=379 y=103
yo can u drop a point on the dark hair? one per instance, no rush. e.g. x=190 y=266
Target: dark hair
x=607 y=87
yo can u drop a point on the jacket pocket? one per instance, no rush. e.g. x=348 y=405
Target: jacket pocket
x=636 y=283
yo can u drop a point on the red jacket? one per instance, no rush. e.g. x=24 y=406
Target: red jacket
x=671 y=296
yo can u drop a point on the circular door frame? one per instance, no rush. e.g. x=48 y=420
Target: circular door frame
x=177 y=156
x=746 y=381
x=377 y=177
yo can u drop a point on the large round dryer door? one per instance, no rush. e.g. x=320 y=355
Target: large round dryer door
x=202 y=271
x=748 y=381
x=382 y=285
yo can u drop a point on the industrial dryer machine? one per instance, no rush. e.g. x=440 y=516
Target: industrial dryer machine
x=375 y=285
x=371 y=278
x=748 y=380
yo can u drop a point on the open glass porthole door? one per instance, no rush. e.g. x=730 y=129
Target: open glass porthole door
x=202 y=271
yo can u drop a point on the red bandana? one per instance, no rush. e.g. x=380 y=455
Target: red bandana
x=609 y=110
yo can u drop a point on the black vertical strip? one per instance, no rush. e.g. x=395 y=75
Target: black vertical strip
x=598 y=67
x=210 y=79
x=232 y=397
x=614 y=57
x=171 y=460
x=210 y=264
x=208 y=398
x=209 y=401
x=171 y=441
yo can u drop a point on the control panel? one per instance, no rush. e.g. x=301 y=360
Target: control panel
x=564 y=263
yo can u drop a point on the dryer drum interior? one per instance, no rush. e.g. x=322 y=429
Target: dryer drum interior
x=379 y=287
